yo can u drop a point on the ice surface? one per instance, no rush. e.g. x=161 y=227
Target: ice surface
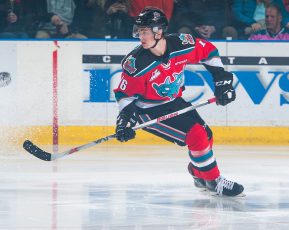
x=142 y=187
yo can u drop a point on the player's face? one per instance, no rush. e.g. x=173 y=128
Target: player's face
x=146 y=37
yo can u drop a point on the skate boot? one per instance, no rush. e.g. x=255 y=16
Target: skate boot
x=199 y=183
x=224 y=187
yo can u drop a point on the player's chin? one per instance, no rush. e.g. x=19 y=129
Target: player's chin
x=145 y=46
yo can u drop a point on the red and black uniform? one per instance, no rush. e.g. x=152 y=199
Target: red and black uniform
x=155 y=85
x=153 y=79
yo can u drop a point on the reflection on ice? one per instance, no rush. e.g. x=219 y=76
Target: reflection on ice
x=110 y=189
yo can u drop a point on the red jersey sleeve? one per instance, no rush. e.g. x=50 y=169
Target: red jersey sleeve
x=130 y=87
x=204 y=50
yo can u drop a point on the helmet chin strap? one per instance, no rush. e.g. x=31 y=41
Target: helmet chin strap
x=157 y=41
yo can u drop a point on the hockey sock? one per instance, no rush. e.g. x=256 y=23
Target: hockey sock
x=201 y=153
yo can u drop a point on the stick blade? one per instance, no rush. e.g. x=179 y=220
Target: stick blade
x=36 y=151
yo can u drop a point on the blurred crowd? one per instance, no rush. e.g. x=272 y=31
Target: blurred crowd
x=209 y=19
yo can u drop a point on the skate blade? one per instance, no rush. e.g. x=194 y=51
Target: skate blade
x=214 y=194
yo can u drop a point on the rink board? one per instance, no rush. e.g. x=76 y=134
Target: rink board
x=72 y=135
x=69 y=84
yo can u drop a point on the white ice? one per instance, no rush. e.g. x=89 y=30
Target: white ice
x=142 y=187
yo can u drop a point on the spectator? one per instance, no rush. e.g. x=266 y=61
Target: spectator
x=259 y=17
x=52 y=26
x=284 y=6
x=33 y=12
x=274 y=29
x=11 y=20
x=59 y=16
x=249 y=16
x=118 y=21
x=89 y=19
x=121 y=14
x=208 y=18
x=137 y=6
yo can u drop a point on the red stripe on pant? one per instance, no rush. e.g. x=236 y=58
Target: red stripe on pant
x=197 y=141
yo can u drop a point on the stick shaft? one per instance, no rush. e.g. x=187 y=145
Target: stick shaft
x=36 y=151
x=174 y=114
x=143 y=125
x=82 y=147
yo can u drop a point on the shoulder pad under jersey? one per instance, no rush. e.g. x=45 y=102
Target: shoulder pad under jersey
x=181 y=40
x=136 y=61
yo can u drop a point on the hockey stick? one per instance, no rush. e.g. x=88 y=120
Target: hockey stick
x=41 y=154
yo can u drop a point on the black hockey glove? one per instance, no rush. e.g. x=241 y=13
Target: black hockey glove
x=224 y=91
x=124 y=123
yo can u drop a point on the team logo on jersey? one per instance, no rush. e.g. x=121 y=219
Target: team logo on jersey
x=170 y=88
x=155 y=74
x=187 y=39
x=129 y=64
x=166 y=66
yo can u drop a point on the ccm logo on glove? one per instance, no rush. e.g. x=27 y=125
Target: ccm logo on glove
x=226 y=82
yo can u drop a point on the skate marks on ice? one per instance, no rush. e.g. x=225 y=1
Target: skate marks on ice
x=108 y=190
x=138 y=207
x=181 y=207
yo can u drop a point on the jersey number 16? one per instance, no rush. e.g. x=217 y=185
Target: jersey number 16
x=123 y=84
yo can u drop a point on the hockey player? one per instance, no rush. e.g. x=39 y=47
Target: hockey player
x=151 y=86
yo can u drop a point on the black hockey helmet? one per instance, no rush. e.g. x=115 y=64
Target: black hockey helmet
x=150 y=17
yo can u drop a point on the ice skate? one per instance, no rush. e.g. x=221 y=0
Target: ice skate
x=199 y=183
x=223 y=187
